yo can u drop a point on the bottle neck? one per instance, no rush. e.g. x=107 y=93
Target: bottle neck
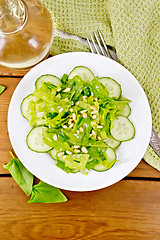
x=13 y=16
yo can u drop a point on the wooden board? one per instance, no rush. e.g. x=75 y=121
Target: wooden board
x=127 y=210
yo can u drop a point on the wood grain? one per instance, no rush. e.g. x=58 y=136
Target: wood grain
x=126 y=210
x=142 y=170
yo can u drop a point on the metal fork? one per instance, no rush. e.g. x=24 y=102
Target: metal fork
x=99 y=46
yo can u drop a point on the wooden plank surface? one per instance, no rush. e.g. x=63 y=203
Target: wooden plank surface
x=142 y=170
x=126 y=210
x=4 y=71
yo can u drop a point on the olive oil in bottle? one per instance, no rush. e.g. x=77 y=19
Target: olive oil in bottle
x=26 y=33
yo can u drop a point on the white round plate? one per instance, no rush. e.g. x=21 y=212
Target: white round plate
x=129 y=153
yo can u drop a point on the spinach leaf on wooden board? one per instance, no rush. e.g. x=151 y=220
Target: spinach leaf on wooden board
x=45 y=193
x=20 y=174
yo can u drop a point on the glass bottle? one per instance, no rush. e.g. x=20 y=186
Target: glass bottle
x=26 y=33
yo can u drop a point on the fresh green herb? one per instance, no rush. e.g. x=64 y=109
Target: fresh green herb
x=45 y=193
x=79 y=114
x=2 y=88
x=20 y=174
x=41 y=192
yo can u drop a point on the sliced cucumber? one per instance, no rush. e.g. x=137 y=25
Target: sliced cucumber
x=35 y=140
x=122 y=129
x=111 y=157
x=83 y=72
x=126 y=111
x=53 y=153
x=47 y=78
x=123 y=99
x=24 y=105
x=112 y=142
x=113 y=87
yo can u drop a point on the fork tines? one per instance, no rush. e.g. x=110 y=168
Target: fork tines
x=98 y=45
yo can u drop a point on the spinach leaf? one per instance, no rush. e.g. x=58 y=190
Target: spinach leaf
x=2 y=88
x=45 y=193
x=76 y=84
x=92 y=164
x=98 y=90
x=64 y=78
x=20 y=174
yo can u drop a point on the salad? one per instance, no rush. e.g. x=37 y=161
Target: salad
x=79 y=120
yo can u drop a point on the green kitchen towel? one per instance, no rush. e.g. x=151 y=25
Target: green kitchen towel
x=132 y=27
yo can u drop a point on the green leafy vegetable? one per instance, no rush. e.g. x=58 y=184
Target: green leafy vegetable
x=41 y=192
x=92 y=164
x=77 y=161
x=98 y=89
x=45 y=193
x=20 y=174
x=2 y=88
x=79 y=115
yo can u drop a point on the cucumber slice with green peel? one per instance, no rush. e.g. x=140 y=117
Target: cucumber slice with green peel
x=53 y=153
x=83 y=72
x=126 y=111
x=113 y=87
x=122 y=99
x=47 y=78
x=111 y=158
x=35 y=140
x=25 y=103
x=112 y=142
x=122 y=129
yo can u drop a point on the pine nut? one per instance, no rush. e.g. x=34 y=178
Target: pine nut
x=68 y=152
x=77 y=150
x=70 y=126
x=74 y=116
x=70 y=121
x=64 y=126
x=85 y=115
x=55 y=137
x=83 y=111
x=66 y=90
x=94 y=116
x=99 y=126
x=60 y=110
x=93 y=108
x=81 y=129
x=93 y=133
x=94 y=112
x=84 y=97
x=84 y=150
x=71 y=110
x=78 y=132
x=58 y=89
x=60 y=154
x=99 y=138
x=76 y=146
